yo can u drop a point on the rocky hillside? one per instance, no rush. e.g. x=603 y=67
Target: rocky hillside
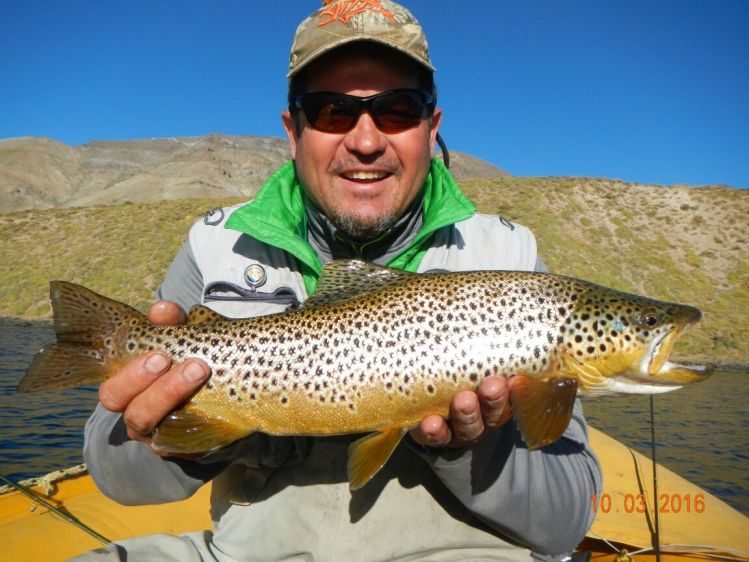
x=41 y=173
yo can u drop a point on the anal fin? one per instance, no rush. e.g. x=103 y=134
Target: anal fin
x=191 y=430
x=542 y=409
x=370 y=453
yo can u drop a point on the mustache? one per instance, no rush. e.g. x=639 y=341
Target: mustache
x=386 y=164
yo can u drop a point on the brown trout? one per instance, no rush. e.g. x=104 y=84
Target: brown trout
x=377 y=350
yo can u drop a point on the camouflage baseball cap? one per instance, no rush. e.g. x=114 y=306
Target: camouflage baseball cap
x=339 y=22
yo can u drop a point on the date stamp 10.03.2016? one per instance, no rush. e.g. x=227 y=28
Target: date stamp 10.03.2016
x=638 y=503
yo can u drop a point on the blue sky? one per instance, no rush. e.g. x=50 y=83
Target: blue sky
x=649 y=91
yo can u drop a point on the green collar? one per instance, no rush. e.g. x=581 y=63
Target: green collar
x=276 y=216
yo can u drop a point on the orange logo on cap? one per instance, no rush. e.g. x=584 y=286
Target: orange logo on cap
x=344 y=10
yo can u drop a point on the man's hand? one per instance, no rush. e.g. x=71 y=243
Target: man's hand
x=149 y=387
x=471 y=415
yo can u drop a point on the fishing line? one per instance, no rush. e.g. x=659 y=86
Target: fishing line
x=656 y=537
x=600 y=537
x=69 y=518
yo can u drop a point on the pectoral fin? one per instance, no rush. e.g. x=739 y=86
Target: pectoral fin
x=370 y=453
x=542 y=409
x=191 y=430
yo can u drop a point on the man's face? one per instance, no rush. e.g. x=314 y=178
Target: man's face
x=364 y=179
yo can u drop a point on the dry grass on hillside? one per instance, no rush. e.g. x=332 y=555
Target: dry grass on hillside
x=120 y=251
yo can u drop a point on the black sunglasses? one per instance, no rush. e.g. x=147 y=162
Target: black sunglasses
x=392 y=111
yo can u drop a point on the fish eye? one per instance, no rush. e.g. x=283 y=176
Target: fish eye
x=648 y=319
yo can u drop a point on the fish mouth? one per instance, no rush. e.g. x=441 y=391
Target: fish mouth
x=657 y=370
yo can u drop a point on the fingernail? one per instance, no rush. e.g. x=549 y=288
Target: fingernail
x=156 y=363
x=194 y=372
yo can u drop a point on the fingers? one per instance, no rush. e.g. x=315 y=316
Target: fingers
x=494 y=397
x=133 y=378
x=166 y=313
x=432 y=432
x=471 y=414
x=466 y=419
x=167 y=392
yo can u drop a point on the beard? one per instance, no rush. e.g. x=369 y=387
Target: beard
x=353 y=229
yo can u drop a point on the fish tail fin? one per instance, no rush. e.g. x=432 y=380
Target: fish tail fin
x=88 y=327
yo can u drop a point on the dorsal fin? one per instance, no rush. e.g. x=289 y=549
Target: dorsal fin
x=344 y=279
x=200 y=314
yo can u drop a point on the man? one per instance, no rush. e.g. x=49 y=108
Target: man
x=362 y=125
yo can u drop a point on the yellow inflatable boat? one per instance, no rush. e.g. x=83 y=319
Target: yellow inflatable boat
x=67 y=516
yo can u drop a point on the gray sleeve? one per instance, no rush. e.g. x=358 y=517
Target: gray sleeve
x=183 y=283
x=540 y=265
x=113 y=459
x=540 y=498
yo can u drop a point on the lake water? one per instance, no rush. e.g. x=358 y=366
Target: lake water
x=701 y=430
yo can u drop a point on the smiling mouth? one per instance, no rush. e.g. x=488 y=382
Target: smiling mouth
x=365 y=176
